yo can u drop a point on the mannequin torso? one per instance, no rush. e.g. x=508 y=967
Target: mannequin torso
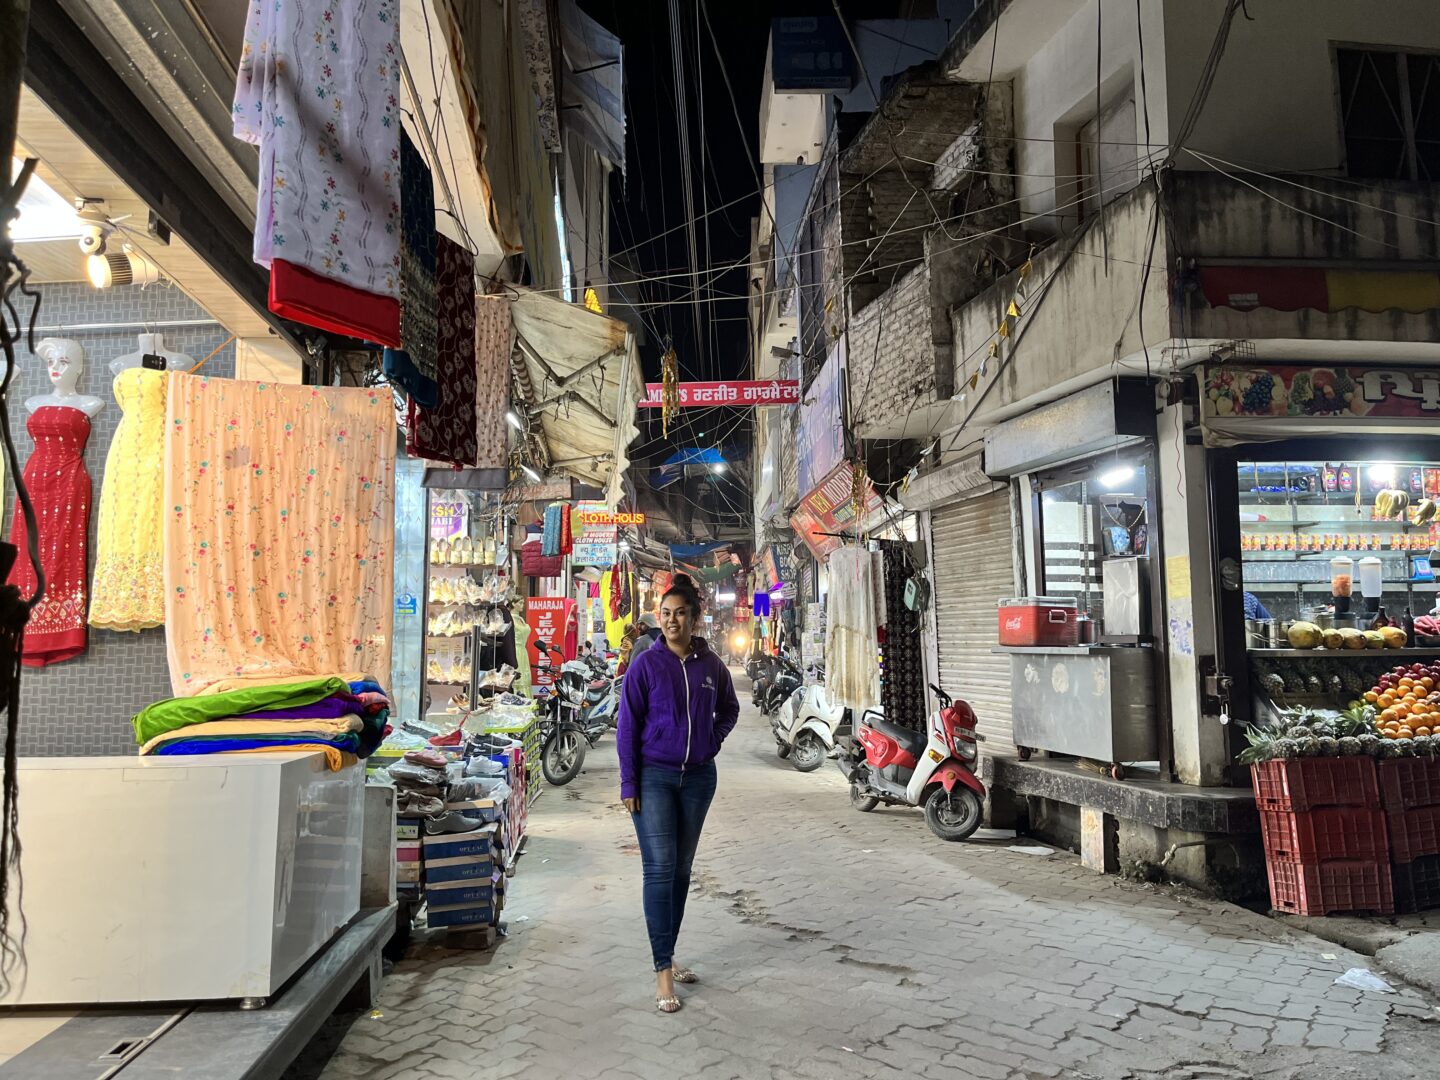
x=65 y=363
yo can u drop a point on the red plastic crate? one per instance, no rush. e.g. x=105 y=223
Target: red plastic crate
x=1339 y=832
x=1307 y=783
x=1409 y=782
x=1414 y=834
x=1330 y=888
x=1417 y=884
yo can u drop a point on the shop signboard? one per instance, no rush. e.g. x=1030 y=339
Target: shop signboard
x=599 y=535
x=810 y=53
x=830 y=509
x=449 y=518
x=819 y=440
x=1342 y=393
x=737 y=392
x=549 y=618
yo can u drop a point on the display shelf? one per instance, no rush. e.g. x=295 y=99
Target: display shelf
x=1363 y=654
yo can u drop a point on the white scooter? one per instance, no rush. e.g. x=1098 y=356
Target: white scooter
x=807 y=724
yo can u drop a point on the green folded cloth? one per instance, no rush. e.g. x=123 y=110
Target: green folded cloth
x=174 y=713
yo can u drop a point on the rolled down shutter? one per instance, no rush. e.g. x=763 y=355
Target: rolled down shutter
x=973 y=546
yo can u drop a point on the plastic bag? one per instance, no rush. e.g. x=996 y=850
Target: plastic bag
x=403 y=774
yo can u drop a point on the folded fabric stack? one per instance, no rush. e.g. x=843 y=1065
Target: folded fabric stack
x=344 y=720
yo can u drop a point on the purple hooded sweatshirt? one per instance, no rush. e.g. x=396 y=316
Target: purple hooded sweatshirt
x=674 y=713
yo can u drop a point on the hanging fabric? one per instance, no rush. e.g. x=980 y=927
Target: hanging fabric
x=534 y=563
x=762 y=605
x=279 y=531
x=853 y=675
x=567 y=532
x=550 y=537
x=447 y=432
x=494 y=342
x=418 y=260
x=320 y=96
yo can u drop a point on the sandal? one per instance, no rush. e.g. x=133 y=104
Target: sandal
x=668 y=1004
x=684 y=975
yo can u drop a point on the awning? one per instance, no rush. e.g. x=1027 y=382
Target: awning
x=585 y=381
x=593 y=89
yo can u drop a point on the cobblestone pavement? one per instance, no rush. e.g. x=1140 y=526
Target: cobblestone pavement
x=834 y=944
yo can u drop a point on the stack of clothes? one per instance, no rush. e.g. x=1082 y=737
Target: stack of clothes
x=344 y=720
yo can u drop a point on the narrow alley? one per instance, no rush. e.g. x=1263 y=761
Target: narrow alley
x=833 y=944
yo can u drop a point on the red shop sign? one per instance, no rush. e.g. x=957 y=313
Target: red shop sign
x=549 y=618
x=830 y=508
x=730 y=392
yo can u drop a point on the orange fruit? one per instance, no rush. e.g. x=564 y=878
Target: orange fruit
x=1405 y=733
x=1385 y=701
x=1422 y=730
x=1406 y=683
x=1402 y=711
x=1386 y=716
x=1371 y=697
x=1428 y=683
x=1391 y=733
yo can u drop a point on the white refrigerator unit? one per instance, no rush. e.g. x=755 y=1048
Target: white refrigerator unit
x=182 y=878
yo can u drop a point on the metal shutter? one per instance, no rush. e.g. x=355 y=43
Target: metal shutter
x=973 y=547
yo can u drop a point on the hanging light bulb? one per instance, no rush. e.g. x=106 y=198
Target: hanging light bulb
x=513 y=419
x=531 y=473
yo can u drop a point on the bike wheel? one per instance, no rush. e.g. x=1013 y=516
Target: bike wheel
x=859 y=800
x=953 y=814
x=562 y=756
x=782 y=750
x=809 y=752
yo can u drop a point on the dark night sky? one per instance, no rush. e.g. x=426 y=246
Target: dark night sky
x=651 y=199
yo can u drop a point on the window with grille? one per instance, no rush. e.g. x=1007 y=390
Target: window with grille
x=1390 y=113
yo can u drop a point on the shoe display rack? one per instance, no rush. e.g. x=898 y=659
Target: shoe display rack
x=465 y=590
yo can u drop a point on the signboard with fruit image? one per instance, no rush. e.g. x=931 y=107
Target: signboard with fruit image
x=1340 y=392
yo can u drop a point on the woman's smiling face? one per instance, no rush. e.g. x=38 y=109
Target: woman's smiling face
x=677 y=619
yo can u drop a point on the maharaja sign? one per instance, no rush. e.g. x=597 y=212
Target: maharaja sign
x=1339 y=392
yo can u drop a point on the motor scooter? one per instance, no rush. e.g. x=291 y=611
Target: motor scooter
x=808 y=724
x=932 y=769
x=581 y=706
x=786 y=680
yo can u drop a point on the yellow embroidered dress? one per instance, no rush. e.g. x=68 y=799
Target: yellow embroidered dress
x=129 y=588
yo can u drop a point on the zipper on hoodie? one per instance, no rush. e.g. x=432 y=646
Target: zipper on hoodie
x=689 y=722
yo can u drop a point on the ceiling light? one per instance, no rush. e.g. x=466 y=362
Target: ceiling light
x=718 y=467
x=531 y=473
x=1117 y=476
x=1382 y=474
x=44 y=214
x=120 y=268
x=513 y=419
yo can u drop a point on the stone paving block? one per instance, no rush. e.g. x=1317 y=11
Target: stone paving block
x=994 y=965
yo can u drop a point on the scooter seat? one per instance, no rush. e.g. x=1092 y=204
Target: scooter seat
x=911 y=740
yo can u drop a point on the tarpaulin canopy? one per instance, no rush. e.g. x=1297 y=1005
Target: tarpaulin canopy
x=694 y=551
x=692 y=460
x=708 y=575
x=584 y=373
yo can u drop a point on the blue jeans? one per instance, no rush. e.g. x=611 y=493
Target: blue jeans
x=672 y=812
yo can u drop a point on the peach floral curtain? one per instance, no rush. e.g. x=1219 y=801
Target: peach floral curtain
x=279 y=530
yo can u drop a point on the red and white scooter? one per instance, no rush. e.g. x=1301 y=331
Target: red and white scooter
x=930 y=769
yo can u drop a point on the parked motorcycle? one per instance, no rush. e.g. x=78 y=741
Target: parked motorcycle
x=787 y=678
x=932 y=769
x=583 y=704
x=807 y=725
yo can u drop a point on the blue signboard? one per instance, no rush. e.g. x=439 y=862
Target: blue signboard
x=405 y=604
x=810 y=54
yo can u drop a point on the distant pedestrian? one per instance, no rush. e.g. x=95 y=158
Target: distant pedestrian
x=677 y=708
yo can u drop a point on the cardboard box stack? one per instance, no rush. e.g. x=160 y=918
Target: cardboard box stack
x=462 y=871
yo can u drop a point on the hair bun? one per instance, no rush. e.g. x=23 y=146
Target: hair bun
x=684 y=581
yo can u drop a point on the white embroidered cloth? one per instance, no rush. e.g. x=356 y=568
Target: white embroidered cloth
x=852 y=674
x=318 y=92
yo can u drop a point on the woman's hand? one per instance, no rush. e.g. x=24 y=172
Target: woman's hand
x=633 y=805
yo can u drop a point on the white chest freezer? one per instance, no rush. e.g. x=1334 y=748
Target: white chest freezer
x=182 y=878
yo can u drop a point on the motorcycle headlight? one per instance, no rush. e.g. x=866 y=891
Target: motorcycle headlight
x=965 y=750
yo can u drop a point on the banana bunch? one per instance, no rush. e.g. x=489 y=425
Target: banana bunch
x=1424 y=511
x=1391 y=502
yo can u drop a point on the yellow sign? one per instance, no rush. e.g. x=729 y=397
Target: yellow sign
x=1177 y=577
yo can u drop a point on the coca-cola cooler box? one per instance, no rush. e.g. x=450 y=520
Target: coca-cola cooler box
x=1039 y=620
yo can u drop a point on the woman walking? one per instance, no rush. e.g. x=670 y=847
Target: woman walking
x=677 y=708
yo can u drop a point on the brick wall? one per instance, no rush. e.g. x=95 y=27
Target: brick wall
x=893 y=360
x=82 y=707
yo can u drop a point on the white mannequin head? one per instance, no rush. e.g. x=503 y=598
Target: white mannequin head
x=65 y=362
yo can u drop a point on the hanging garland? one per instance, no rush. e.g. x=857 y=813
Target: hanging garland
x=670 y=389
